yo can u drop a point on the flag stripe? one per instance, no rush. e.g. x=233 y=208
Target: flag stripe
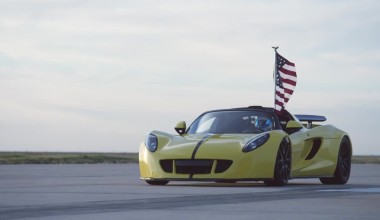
x=287 y=89
x=288 y=72
x=286 y=76
x=289 y=81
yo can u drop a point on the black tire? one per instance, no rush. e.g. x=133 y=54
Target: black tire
x=283 y=165
x=343 y=166
x=157 y=182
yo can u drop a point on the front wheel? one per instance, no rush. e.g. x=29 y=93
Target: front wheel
x=343 y=167
x=157 y=182
x=283 y=165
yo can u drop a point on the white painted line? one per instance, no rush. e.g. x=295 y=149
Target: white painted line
x=359 y=190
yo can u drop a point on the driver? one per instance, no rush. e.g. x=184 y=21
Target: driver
x=268 y=125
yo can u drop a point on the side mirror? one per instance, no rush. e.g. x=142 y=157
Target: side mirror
x=293 y=126
x=180 y=128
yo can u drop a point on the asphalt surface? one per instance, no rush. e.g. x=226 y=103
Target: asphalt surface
x=115 y=192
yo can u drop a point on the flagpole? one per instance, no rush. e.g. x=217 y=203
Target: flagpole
x=274 y=75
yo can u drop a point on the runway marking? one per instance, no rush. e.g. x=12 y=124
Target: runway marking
x=357 y=190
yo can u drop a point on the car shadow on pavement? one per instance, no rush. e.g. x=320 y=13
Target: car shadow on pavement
x=237 y=184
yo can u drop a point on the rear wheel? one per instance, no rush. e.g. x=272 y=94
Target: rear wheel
x=157 y=182
x=343 y=167
x=283 y=165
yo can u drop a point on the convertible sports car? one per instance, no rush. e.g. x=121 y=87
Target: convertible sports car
x=247 y=144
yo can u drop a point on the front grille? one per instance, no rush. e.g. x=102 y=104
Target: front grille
x=202 y=166
x=193 y=166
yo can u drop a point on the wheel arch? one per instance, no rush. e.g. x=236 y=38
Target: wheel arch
x=289 y=142
x=349 y=142
x=343 y=165
x=282 y=171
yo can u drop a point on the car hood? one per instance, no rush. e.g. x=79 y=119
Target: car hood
x=191 y=144
x=219 y=139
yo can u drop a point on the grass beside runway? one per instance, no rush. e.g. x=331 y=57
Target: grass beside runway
x=66 y=158
x=362 y=159
x=112 y=158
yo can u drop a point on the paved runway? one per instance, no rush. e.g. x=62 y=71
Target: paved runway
x=115 y=192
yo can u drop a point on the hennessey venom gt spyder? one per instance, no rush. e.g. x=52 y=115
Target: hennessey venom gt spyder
x=247 y=144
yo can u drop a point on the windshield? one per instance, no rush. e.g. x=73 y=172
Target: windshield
x=233 y=122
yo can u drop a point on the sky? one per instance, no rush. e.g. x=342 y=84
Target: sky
x=98 y=75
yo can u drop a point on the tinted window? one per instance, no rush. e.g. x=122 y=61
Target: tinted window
x=233 y=122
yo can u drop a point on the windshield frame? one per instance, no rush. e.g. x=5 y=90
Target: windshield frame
x=270 y=114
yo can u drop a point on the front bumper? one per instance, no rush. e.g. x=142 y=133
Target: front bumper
x=216 y=165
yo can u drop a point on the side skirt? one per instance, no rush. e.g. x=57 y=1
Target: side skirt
x=203 y=179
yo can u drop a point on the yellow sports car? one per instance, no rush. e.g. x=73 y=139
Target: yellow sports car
x=247 y=144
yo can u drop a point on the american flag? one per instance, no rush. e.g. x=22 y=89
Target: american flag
x=286 y=80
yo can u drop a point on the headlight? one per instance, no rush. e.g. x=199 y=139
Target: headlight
x=255 y=142
x=151 y=142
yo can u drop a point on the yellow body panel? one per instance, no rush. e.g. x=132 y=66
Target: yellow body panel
x=325 y=160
